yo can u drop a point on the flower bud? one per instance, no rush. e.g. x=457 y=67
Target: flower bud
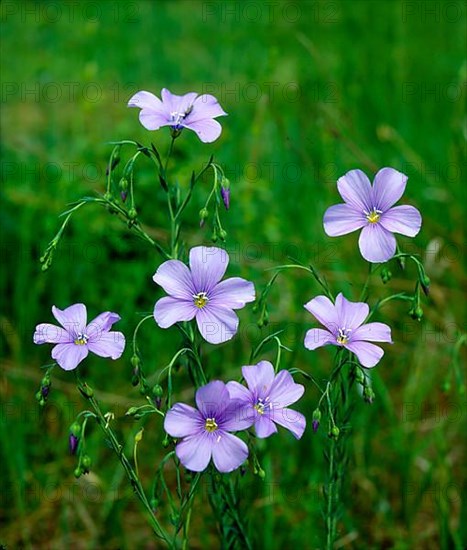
x=359 y=376
x=222 y=234
x=386 y=275
x=368 y=394
x=425 y=282
x=166 y=442
x=131 y=411
x=77 y=472
x=416 y=313
x=86 y=463
x=316 y=420
x=123 y=188
x=225 y=192
x=86 y=391
x=73 y=443
x=334 y=434
x=132 y=214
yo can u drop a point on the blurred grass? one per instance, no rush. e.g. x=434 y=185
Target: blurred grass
x=312 y=91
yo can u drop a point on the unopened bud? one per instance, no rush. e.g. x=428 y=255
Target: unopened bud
x=425 y=282
x=416 y=313
x=316 y=420
x=123 y=188
x=334 y=434
x=225 y=192
x=359 y=376
x=368 y=394
x=132 y=214
x=386 y=275
x=222 y=235
x=86 y=463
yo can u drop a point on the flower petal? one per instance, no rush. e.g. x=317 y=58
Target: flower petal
x=372 y=332
x=228 y=452
x=182 y=421
x=146 y=100
x=107 y=344
x=238 y=415
x=405 y=220
x=68 y=356
x=388 y=188
x=368 y=354
x=264 y=426
x=46 y=333
x=239 y=392
x=205 y=106
x=290 y=419
x=259 y=378
x=341 y=219
x=355 y=188
x=217 y=324
x=72 y=319
x=350 y=314
x=376 y=244
x=212 y=399
x=152 y=121
x=169 y=310
x=324 y=310
x=102 y=323
x=317 y=337
x=175 y=278
x=233 y=293
x=284 y=390
x=208 y=130
x=195 y=451
x=179 y=104
x=208 y=265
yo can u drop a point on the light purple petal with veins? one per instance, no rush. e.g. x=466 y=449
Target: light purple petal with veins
x=182 y=420
x=212 y=399
x=107 y=344
x=68 y=356
x=169 y=310
x=195 y=451
x=284 y=391
x=217 y=324
x=350 y=314
x=323 y=309
x=102 y=323
x=228 y=452
x=46 y=333
x=372 y=332
x=388 y=188
x=233 y=293
x=368 y=354
x=73 y=318
x=318 y=337
x=239 y=392
x=405 y=220
x=208 y=266
x=175 y=278
x=205 y=106
x=341 y=219
x=207 y=130
x=259 y=377
x=355 y=188
x=377 y=245
x=290 y=419
x=264 y=426
x=146 y=100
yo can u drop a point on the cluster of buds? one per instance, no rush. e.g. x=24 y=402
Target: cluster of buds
x=44 y=390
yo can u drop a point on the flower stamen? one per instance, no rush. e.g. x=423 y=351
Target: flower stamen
x=343 y=336
x=210 y=425
x=81 y=339
x=200 y=299
x=373 y=216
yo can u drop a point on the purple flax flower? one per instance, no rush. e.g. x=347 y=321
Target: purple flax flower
x=267 y=397
x=197 y=292
x=371 y=208
x=192 y=111
x=77 y=338
x=204 y=431
x=344 y=324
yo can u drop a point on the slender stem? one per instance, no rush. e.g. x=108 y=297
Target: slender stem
x=133 y=477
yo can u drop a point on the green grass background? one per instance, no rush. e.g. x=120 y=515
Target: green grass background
x=313 y=89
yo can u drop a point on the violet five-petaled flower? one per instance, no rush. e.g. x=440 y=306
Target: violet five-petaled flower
x=76 y=338
x=205 y=432
x=192 y=111
x=344 y=322
x=371 y=208
x=197 y=292
x=266 y=400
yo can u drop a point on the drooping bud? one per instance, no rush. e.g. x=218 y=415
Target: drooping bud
x=386 y=275
x=225 y=192
x=222 y=234
x=73 y=439
x=132 y=214
x=157 y=393
x=316 y=418
x=203 y=214
x=86 y=391
x=334 y=433
x=368 y=394
x=425 y=283
x=359 y=376
x=86 y=464
x=416 y=312
x=123 y=189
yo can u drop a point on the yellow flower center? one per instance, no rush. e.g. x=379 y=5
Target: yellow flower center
x=343 y=336
x=81 y=340
x=200 y=299
x=210 y=425
x=259 y=407
x=373 y=216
